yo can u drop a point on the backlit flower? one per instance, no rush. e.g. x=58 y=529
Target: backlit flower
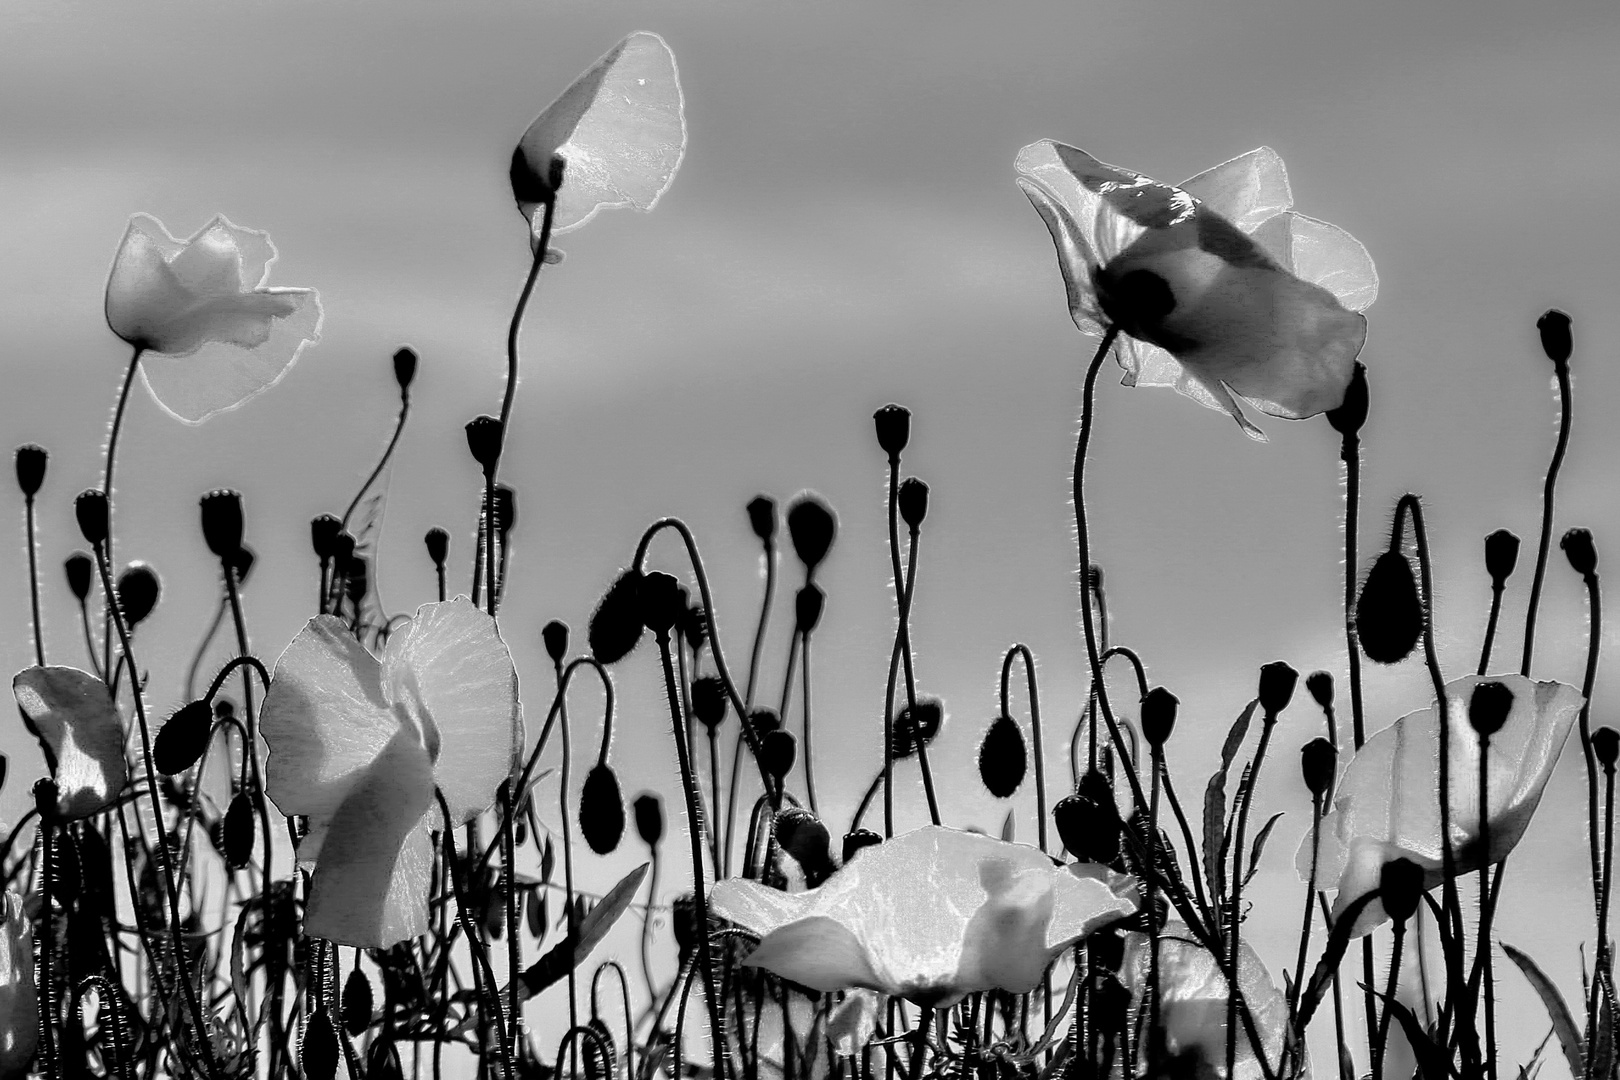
x=71 y=713
x=1217 y=287
x=212 y=334
x=19 y=1003
x=1387 y=804
x=359 y=743
x=930 y=916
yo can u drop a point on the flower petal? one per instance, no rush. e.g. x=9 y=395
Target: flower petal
x=818 y=952
x=1249 y=189
x=19 y=1002
x=853 y=1021
x=1324 y=255
x=1075 y=258
x=1149 y=365
x=449 y=670
x=73 y=716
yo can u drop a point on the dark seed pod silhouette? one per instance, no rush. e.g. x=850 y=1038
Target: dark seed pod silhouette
x=91 y=510
x=1159 y=708
x=357 y=1003
x=5 y=769
x=1352 y=412
x=811 y=527
x=1488 y=707
x=1389 y=616
x=807 y=607
x=1317 y=761
x=912 y=500
x=182 y=739
x=1606 y=746
x=762 y=517
x=662 y=601
x=505 y=510
x=534 y=913
x=616 y=625
x=1003 y=759
x=709 y=700
x=138 y=590
x=405 y=366
x=1320 y=684
x=1580 y=551
x=1501 y=556
x=31 y=461
x=893 y=424
x=222 y=521
x=777 y=750
x=601 y=810
x=683 y=920
x=319 y=1054
x=437 y=542
x=803 y=836
x=555 y=636
x=1400 y=888
x=78 y=567
x=649 y=810
x=860 y=838
x=323 y=534
x=1277 y=683
x=238 y=831
x=764 y=721
x=484 y=436
x=693 y=626
x=495 y=912
x=912 y=729
x=1556 y=339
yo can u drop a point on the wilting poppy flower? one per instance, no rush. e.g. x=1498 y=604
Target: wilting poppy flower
x=71 y=713
x=359 y=743
x=19 y=1002
x=619 y=129
x=996 y=914
x=212 y=334
x=1387 y=804
x=1218 y=288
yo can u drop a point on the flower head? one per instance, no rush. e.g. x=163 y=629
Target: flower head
x=996 y=915
x=1387 y=806
x=211 y=334
x=1217 y=286
x=359 y=743
x=19 y=1002
x=71 y=713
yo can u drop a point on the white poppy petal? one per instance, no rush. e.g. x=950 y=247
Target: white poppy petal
x=1326 y=255
x=1112 y=206
x=72 y=714
x=817 y=952
x=141 y=288
x=1248 y=190
x=19 y=1001
x=1075 y=259
x=853 y=1022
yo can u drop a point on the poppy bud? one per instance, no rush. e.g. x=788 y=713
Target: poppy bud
x=343 y=545
x=323 y=534
x=912 y=729
x=1089 y=829
x=505 y=510
x=1320 y=684
x=484 y=436
x=319 y=1055
x=1400 y=888
x=893 y=429
x=528 y=185
x=437 y=542
x=649 y=810
x=138 y=589
x=222 y=521
x=777 y=751
x=1606 y=745
x=1159 y=715
x=180 y=742
x=241 y=564
x=1277 y=682
x=709 y=700
x=1317 y=761
x=555 y=636
x=811 y=527
x=662 y=602
x=1488 y=707
x=1556 y=340
x=79 y=568
x=1352 y=412
x=1501 y=555
x=357 y=1000
x=859 y=839
x=224 y=708
x=803 y=836
x=31 y=461
x=683 y=920
x=616 y=625
x=1003 y=760
x=1389 y=617
x=693 y=626
x=404 y=367
x=913 y=502
x=91 y=510
x=601 y=809
x=807 y=606
x=762 y=517
x=1578 y=549
x=764 y=721
x=239 y=831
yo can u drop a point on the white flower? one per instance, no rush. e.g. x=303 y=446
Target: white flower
x=71 y=713
x=19 y=1002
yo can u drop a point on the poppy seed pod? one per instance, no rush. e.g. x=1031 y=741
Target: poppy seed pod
x=764 y=721
x=803 y=836
x=913 y=502
x=323 y=534
x=1320 y=684
x=649 y=810
x=807 y=606
x=1159 y=715
x=91 y=510
x=505 y=509
x=1556 y=340
x=1580 y=551
x=601 y=810
x=709 y=700
x=319 y=1055
x=893 y=429
x=914 y=728
x=762 y=517
x=1606 y=745
x=404 y=367
x=138 y=589
x=1389 y=616
x=357 y=1003
x=693 y=626
x=47 y=796
x=1400 y=888
x=484 y=437
x=180 y=742
x=437 y=542
x=31 y=461
x=239 y=831
x=1317 y=761
x=555 y=636
x=1348 y=418
x=78 y=568
x=1089 y=830
x=1501 y=556
x=1277 y=682
x=811 y=527
x=222 y=521
x=662 y=602
x=1488 y=707
x=615 y=627
x=1003 y=760
x=859 y=840
x=777 y=751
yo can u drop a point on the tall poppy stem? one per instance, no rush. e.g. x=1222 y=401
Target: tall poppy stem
x=107 y=490
x=33 y=579
x=1561 y=370
x=1482 y=952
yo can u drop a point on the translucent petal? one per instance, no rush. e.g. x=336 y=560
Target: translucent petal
x=853 y=1021
x=19 y=1002
x=1111 y=206
x=1326 y=255
x=140 y=286
x=1149 y=365
x=1075 y=259
x=1247 y=190
x=449 y=670
x=78 y=726
x=818 y=952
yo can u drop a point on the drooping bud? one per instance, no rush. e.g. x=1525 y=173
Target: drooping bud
x=914 y=728
x=1277 y=682
x=1488 y=707
x=762 y=517
x=180 y=742
x=357 y=1002
x=555 y=636
x=709 y=700
x=1089 y=829
x=239 y=831
x=222 y=522
x=1320 y=684
x=404 y=367
x=1003 y=760
x=649 y=810
x=1389 y=616
x=859 y=840
x=893 y=429
x=323 y=534
x=1400 y=888
x=1606 y=745
x=662 y=602
x=807 y=607
x=505 y=510
x=1352 y=413
x=601 y=809
x=811 y=527
x=912 y=500
x=79 y=568
x=1556 y=340
x=484 y=436
x=138 y=589
x=31 y=461
x=616 y=624
x=437 y=542
x=1501 y=555
x=1317 y=761
x=777 y=751
x=1580 y=551
x=91 y=510
x=1159 y=715
x=803 y=836
x=319 y=1055
x=683 y=920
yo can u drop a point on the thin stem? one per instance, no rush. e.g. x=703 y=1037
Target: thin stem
x=1490 y=628
x=1389 y=998
x=565 y=729
x=33 y=581
x=1608 y=857
x=107 y=489
x=1310 y=893
x=920 y=1051
x=805 y=751
x=492 y=1003
x=382 y=463
x=1267 y=725
x=1561 y=370
x=900 y=603
x=1154 y=1040
x=550 y=209
x=1022 y=652
x=1482 y=952
x=646 y=930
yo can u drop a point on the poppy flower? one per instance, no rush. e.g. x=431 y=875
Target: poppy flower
x=71 y=713
x=620 y=131
x=996 y=914
x=359 y=743
x=1217 y=287
x=1387 y=807
x=19 y=1002
x=212 y=334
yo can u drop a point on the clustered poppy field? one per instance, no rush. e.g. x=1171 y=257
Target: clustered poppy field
x=380 y=890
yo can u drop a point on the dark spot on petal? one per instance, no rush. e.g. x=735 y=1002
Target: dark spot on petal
x=1139 y=301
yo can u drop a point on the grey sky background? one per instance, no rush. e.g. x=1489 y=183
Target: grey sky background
x=844 y=232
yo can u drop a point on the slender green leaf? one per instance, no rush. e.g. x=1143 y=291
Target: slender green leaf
x=587 y=934
x=1569 y=1036
x=1215 y=805
x=1258 y=847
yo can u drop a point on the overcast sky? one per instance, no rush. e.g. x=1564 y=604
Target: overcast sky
x=844 y=232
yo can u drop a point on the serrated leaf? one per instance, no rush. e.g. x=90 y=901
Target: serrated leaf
x=1259 y=846
x=584 y=937
x=1569 y=1037
x=1215 y=804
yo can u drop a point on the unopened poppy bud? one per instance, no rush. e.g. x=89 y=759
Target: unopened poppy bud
x=555 y=636
x=1320 y=684
x=46 y=798
x=913 y=502
x=505 y=510
x=239 y=831
x=529 y=185
x=31 y=461
x=807 y=606
x=1159 y=715
x=1003 y=760
x=1351 y=414
x=662 y=602
x=1317 y=761
x=916 y=727
x=764 y=721
x=1580 y=551
x=343 y=545
x=91 y=510
x=319 y=1055
x=1277 y=682
x=811 y=527
x=683 y=920
x=709 y=700
x=777 y=751
x=858 y=840
x=601 y=810
x=1389 y=617
x=1400 y=888
x=357 y=1003
x=224 y=708
x=180 y=742
x=323 y=534
x=1488 y=707
x=803 y=836
x=693 y=626
x=893 y=429
x=437 y=542
x=1556 y=340
x=484 y=435
x=1089 y=830
x=222 y=522
x=762 y=517
x=616 y=626
x=138 y=589
x=404 y=367
x=78 y=568
x=1501 y=556
x=1606 y=745
x=649 y=810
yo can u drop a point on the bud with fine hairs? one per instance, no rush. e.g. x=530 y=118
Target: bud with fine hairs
x=1389 y=615
x=239 y=831
x=811 y=527
x=138 y=589
x=803 y=836
x=649 y=810
x=858 y=840
x=912 y=500
x=1488 y=707
x=762 y=517
x=323 y=534
x=709 y=700
x=1580 y=551
x=180 y=742
x=777 y=751
x=358 y=1002
x=31 y=461
x=916 y=727
x=615 y=627
x=1277 y=682
x=404 y=367
x=94 y=516
x=222 y=522
x=893 y=424
x=1501 y=556
x=1400 y=888
x=1003 y=758
x=505 y=509
x=1556 y=340
x=662 y=602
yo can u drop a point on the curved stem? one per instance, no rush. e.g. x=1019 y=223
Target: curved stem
x=646 y=930
x=107 y=489
x=382 y=463
x=1022 y=651
x=1490 y=629
x=491 y=1003
x=1561 y=370
x=550 y=208
x=1267 y=724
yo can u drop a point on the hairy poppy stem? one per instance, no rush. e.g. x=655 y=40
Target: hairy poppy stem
x=540 y=249
x=107 y=490
x=489 y=991
x=1601 y=883
x=565 y=730
x=33 y=578
x=382 y=463
x=806 y=755
x=1389 y=998
x=1482 y=952
x=1490 y=627
x=1022 y=652
x=748 y=695
x=900 y=606
x=1561 y=370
